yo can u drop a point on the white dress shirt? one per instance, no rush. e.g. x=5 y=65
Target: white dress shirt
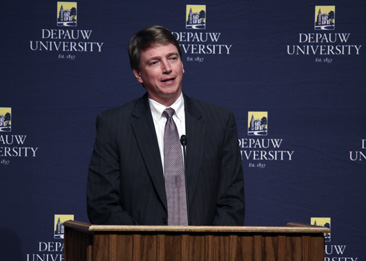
x=159 y=121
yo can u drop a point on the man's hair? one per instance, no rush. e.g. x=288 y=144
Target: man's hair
x=146 y=38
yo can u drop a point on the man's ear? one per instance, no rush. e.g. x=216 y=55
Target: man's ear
x=138 y=76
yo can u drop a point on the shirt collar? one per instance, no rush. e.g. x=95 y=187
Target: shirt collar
x=157 y=108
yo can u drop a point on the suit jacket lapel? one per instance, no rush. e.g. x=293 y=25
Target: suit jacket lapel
x=144 y=130
x=143 y=127
x=195 y=132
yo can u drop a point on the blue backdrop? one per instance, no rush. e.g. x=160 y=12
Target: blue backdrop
x=293 y=72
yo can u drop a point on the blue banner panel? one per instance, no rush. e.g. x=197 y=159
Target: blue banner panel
x=292 y=72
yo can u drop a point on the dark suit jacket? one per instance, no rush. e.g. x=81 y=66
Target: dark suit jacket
x=126 y=182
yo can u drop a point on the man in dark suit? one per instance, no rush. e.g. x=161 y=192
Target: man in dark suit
x=126 y=182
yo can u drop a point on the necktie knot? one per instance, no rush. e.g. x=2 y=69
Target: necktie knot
x=168 y=113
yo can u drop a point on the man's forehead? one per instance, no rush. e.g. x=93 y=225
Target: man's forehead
x=158 y=49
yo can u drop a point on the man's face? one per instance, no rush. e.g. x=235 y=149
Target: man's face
x=161 y=73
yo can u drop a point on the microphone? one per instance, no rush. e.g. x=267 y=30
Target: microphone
x=183 y=141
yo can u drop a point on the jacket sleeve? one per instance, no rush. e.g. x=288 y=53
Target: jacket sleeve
x=230 y=203
x=103 y=186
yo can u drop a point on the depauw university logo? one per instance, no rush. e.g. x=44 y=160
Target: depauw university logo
x=5 y=119
x=59 y=226
x=257 y=123
x=324 y=17
x=67 y=14
x=195 y=16
x=322 y=222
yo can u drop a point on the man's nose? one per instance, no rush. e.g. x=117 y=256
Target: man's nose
x=166 y=68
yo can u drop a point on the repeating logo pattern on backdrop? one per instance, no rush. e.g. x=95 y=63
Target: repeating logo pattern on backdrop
x=258 y=150
x=67 y=13
x=257 y=123
x=324 y=17
x=5 y=119
x=52 y=250
x=333 y=251
x=360 y=154
x=322 y=222
x=66 y=40
x=59 y=225
x=324 y=43
x=195 y=41
x=196 y=17
x=12 y=145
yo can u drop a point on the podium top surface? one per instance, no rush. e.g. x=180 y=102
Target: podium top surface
x=289 y=228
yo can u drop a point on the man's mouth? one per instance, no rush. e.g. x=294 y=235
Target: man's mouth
x=168 y=80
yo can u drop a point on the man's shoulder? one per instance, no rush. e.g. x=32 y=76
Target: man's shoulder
x=125 y=109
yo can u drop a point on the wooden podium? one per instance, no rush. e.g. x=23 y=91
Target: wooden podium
x=86 y=242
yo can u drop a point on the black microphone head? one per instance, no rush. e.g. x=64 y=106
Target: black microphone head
x=183 y=140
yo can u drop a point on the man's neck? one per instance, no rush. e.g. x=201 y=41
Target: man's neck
x=168 y=101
